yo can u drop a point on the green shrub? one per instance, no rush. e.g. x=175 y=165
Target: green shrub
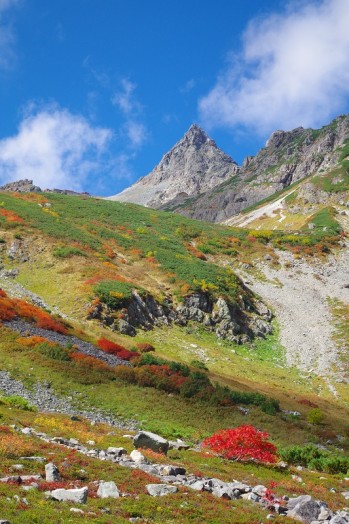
x=55 y=352
x=18 y=402
x=312 y=457
x=115 y=294
x=315 y=416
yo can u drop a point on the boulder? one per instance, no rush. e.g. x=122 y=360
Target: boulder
x=160 y=490
x=303 y=508
x=137 y=456
x=108 y=490
x=78 y=495
x=148 y=440
x=52 y=473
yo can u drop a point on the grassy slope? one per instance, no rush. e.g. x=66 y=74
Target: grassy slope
x=126 y=240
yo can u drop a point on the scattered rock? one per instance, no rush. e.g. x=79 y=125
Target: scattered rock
x=160 y=490
x=77 y=495
x=108 y=490
x=148 y=440
x=52 y=473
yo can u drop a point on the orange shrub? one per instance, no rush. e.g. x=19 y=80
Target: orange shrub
x=10 y=216
x=14 y=307
x=88 y=361
x=13 y=446
x=32 y=341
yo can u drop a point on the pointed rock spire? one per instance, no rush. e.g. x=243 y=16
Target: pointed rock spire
x=194 y=165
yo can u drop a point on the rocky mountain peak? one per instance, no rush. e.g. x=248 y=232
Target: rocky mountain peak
x=196 y=135
x=193 y=166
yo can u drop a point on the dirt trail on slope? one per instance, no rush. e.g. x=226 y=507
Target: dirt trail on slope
x=299 y=295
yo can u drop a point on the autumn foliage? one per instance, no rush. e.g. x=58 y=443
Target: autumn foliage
x=243 y=443
x=116 y=349
x=11 y=308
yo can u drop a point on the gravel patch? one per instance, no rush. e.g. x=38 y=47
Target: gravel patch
x=27 y=329
x=300 y=301
x=44 y=399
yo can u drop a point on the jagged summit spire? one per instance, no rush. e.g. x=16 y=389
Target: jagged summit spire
x=192 y=166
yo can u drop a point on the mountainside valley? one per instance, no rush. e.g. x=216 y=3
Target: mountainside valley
x=130 y=335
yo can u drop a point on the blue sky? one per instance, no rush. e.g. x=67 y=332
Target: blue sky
x=93 y=93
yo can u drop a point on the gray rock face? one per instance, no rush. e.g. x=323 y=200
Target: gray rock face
x=21 y=186
x=108 y=490
x=194 y=165
x=304 y=508
x=78 y=495
x=160 y=490
x=149 y=440
x=237 y=323
x=52 y=473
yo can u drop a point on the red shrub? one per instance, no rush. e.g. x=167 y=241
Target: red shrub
x=243 y=443
x=125 y=354
x=110 y=347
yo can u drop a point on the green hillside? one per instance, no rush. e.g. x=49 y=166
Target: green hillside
x=79 y=253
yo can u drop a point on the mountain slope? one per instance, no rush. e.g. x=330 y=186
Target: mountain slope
x=193 y=166
x=288 y=157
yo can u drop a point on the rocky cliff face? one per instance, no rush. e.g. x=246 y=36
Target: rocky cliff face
x=193 y=166
x=239 y=324
x=287 y=158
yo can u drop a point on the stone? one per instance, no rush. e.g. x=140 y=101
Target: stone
x=52 y=473
x=346 y=494
x=77 y=495
x=76 y=511
x=149 y=440
x=137 y=456
x=160 y=490
x=305 y=509
x=15 y=479
x=172 y=470
x=108 y=490
x=116 y=451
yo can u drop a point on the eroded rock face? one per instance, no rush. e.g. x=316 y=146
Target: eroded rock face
x=237 y=323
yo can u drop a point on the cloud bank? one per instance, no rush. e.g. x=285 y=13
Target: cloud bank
x=55 y=148
x=293 y=70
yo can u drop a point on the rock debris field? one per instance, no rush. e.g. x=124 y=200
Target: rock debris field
x=300 y=294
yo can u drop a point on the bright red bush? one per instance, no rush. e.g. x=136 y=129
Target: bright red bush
x=243 y=443
x=110 y=347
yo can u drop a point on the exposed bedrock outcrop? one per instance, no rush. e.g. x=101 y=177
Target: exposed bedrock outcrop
x=237 y=323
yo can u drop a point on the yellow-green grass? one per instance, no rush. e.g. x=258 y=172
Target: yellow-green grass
x=172 y=415
x=185 y=506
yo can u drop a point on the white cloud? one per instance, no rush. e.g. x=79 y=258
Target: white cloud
x=188 y=86
x=136 y=133
x=54 y=148
x=125 y=99
x=132 y=129
x=293 y=70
